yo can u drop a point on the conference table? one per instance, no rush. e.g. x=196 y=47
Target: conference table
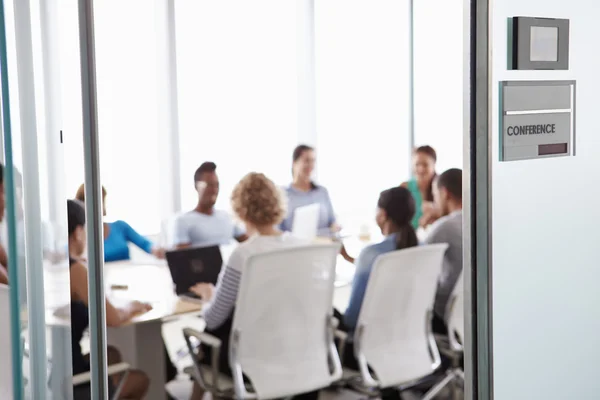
x=139 y=340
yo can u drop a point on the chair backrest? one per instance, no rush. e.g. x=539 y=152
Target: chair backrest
x=282 y=336
x=456 y=316
x=393 y=337
x=6 y=389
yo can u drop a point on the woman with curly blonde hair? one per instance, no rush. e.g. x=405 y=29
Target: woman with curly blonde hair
x=259 y=204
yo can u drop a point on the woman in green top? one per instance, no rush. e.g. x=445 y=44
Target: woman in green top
x=421 y=186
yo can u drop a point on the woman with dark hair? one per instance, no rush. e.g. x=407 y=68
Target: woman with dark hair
x=303 y=192
x=421 y=186
x=136 y=383
x=395 y=210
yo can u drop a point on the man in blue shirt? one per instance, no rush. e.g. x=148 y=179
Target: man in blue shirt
x=205 y=226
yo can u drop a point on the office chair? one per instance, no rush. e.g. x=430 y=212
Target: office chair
x=453 y=348
x=393 y=342
x=282 y=337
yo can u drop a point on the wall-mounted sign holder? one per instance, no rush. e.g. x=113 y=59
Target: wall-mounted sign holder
x=537 y=119
x=538 y=43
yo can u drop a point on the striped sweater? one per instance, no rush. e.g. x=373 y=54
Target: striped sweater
x=223 y=302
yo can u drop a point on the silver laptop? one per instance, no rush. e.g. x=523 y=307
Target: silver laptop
x=306 y=221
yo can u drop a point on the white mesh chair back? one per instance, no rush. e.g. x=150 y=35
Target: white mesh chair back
x=393 y=336
x=6 y=389
x=456 y=316
x=282 y=336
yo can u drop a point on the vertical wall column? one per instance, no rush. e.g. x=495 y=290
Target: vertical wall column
x=93 y=202
x=168 y=107
x=53 y=114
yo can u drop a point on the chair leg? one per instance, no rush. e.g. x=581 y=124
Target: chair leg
x=458 y=388
x=434 y=391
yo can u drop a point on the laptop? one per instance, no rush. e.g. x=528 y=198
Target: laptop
x=306 y=221
x=191 y=266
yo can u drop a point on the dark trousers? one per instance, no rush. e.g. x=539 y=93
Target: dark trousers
x=170 y=367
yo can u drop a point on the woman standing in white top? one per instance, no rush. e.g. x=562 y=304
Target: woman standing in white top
x=258 y=202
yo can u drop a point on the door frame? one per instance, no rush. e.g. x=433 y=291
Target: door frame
x=477 y=190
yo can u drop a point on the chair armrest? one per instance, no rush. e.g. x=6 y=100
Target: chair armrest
x=85 y=377
x=202 y=337
x=215 y=344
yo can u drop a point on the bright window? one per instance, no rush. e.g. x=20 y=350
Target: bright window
x=362 y=102
x=237 y=78
x=439 y=80
x=126 y=62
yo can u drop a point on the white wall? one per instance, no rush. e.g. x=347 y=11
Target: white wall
x=546 y=315
x=362 y=103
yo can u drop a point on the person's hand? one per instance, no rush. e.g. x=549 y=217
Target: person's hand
x=335 y=228
x=427 y=207
x=159 y=253
x=203 y=290
x=138 y=307
x=430 y=214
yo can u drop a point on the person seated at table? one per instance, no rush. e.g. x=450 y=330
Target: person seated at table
x=136 y=384
x=395 y=210
x=257 y=201
x=303 y=191
x=206 y=226
x=448 y=229
x=118 y=235
x=421 y=186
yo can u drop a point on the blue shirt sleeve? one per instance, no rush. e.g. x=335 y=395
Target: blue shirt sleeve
x=137 y=239
x=364 y=263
